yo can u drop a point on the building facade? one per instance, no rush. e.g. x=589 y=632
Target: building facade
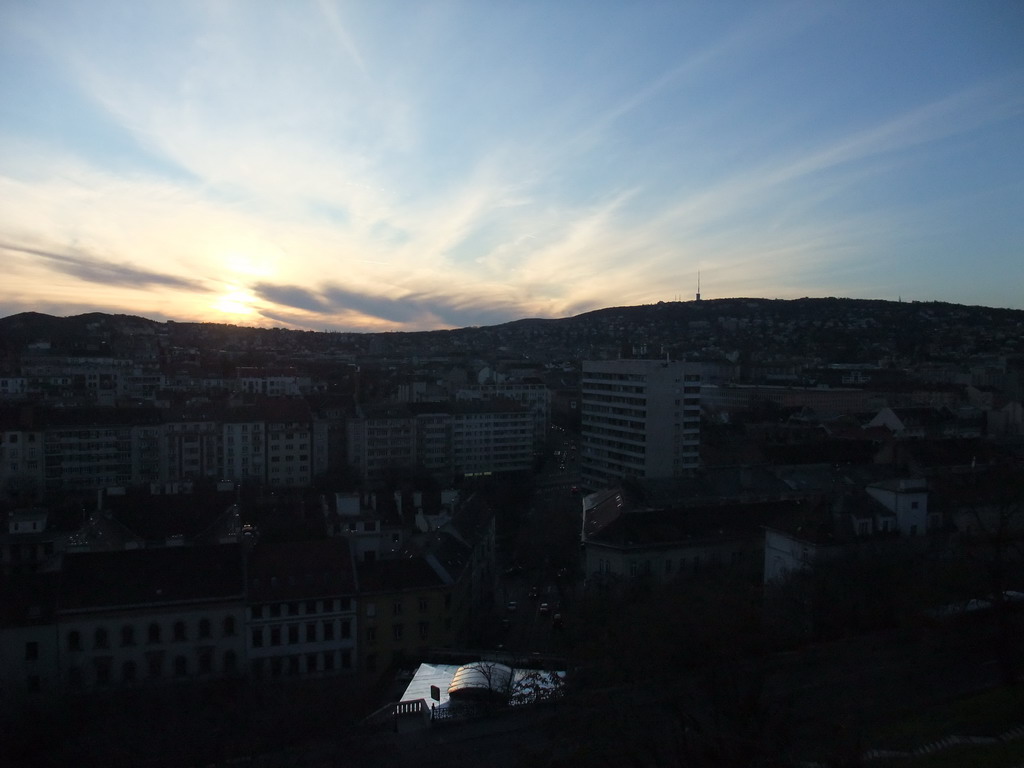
x=640 y=418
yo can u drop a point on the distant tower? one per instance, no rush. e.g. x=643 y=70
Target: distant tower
x=698 y=285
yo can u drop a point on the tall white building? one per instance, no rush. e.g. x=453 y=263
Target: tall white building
x=640 y=418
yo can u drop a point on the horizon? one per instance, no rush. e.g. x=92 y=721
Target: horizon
x=908 y=302
x=368 y=168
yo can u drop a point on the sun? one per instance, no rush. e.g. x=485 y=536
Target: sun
x=235 y=302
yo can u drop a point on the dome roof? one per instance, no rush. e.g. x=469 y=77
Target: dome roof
x=480 y=679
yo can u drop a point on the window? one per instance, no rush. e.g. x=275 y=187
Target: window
x=229 y=626
x=346 y=659
x=424 y=629
x=257 y=637
x=293 y=665
x=310 y=663
x=101 y=667
x=329 y=660
x=205 y=660
x=371 y=610
x=256 y=612
x=127 y=635
x=346 y=629
x=371 y=635
x=100 y=639
x=204 y=628
x=396 y=632
x=293 y=609
x=31 y=650
x=180 y=666
x=328 y=630
x=310 y=606
x=179 y=631
x=396 y=609
x=275 y=635
x=155 y=663
x=311 y=632
x=275 y=610
x=230 y=662
x=423 y=604
x=293 y=634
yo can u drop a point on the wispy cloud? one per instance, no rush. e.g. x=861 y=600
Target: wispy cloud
x=96 y=270
x=340 y=167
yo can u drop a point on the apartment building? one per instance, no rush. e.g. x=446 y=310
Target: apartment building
x=640 y=418
x=532 y=395
x=89 y=448
x=127 y=617
x=406 y=608
x=301 y=609
x=446 y=439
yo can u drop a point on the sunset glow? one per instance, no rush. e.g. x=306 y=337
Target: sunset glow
x=388 y=166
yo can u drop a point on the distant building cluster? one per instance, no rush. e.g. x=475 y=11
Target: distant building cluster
x=396 y=576
x=188 y=503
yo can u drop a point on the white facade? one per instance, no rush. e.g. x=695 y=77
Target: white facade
x=640 y=418
x=126 y=647
x=302 y=638
x=908 y=500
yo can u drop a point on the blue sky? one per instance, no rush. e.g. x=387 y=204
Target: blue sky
x=419 y=165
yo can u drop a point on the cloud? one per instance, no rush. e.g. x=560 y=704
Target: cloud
x=292 y=296
x=95 y=270
x=412 y=310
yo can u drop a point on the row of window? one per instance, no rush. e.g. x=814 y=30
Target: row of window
x=398 y=631
x=154 y=668
x=278 y=635
x=296 y=608
x=308 y=664
x=398 y=606
x=128 y=636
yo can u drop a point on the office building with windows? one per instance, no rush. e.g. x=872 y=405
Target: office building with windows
x=640 y=418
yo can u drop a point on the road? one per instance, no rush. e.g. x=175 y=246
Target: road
x=545 y=557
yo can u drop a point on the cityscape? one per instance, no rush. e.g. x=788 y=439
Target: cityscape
x=511 y=384
x=705 y=532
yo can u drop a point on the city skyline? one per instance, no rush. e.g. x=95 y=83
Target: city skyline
x=395 y=166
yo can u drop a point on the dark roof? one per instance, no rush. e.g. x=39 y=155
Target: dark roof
x=158 y=576
x=397 y=575
x=676 y=526
x=38 y=417
x=604 y=508
x=158 y=516
x=298 y=570
x=27 y=599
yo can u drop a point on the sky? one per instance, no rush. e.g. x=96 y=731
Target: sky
x=416 y=165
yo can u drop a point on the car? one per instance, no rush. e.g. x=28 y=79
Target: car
x=534 y=592
x=544 y=609
x=512 y=605
x=556 y=621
